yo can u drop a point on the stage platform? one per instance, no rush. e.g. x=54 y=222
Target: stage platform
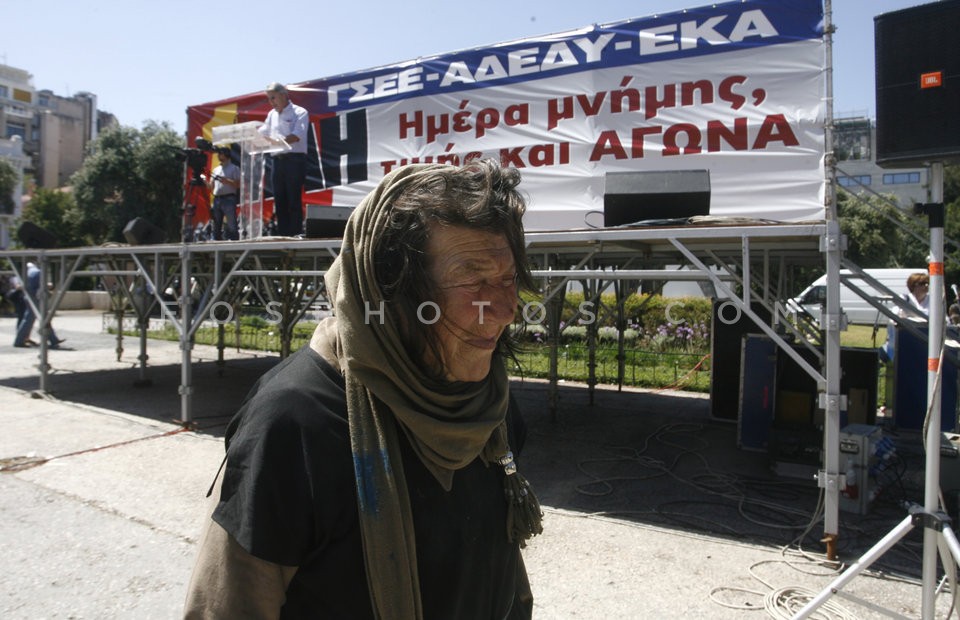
x=189 y=284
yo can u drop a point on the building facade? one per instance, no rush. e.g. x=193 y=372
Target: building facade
x=44 y=135
x=17 y=103
x=11 y=151
x=55 y=129
x=857 y=170
x=65 y=126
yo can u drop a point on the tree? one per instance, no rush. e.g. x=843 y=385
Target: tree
x=951 y=227
x=8 y=185
x=880 y=234
x=951 y=185
x=55 y=211
x=130 y=173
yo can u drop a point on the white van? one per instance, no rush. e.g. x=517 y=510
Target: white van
x=858 y=310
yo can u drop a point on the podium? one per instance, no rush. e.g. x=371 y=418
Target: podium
x=254 y=146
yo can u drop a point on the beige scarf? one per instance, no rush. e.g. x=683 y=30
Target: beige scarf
x=448 y=425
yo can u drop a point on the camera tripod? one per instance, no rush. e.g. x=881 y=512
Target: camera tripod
x=189 y=209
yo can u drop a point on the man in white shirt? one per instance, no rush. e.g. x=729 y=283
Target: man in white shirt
x=289 y=122
x=225 y=183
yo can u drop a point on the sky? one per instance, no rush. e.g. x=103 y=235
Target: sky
x=149 y=60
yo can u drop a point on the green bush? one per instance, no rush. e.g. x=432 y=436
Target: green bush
x=682 y=371
x=650 y=321
x=659 y=352
x=641 y=311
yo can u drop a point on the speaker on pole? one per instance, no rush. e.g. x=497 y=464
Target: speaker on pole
x=139 y=231
x=35 y=237
x=918 y=84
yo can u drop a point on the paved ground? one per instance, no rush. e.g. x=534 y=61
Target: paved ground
x=651 y=510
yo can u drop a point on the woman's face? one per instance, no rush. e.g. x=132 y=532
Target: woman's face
x=476 y=276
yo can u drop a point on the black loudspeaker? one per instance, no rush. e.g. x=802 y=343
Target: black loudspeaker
x=326 y=222
x=918 y=84
x=141 y=232
x=32 y=236
x=728 y=327
x=797 y=396
x=631 y=197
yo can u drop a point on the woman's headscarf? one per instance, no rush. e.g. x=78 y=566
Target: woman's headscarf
x=448 y=424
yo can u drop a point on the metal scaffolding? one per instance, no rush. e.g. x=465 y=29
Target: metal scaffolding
x=745 y=263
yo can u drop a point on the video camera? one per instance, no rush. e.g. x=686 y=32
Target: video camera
x=196 y=158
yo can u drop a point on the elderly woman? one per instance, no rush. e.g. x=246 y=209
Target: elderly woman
x=370 y=475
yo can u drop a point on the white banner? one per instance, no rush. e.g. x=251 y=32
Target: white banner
x=736 y=89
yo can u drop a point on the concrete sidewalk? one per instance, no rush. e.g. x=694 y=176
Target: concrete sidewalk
x=651 y=512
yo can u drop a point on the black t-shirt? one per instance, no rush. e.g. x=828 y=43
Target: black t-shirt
x=289 y=497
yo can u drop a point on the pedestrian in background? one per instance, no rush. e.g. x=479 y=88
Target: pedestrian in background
x=13 y=294
x=918 y=287
x=25 y=325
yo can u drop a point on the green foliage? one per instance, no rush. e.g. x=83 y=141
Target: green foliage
x=656 y=360
x=129 y=173
x=951 y=184
x=56 y=211
x=951 y=200
x=8 y=185
x=648 y=369
x=641 y=312
x=879 y=234
x=649 y=312
x=254 y=322
x=255 y=333
x=649 y=322
x=666 y=342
